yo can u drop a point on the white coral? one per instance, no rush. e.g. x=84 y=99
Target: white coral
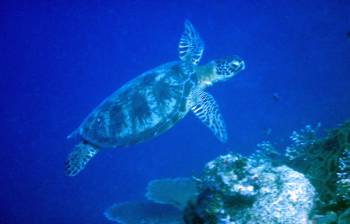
x=302 y=139
x=289 y=201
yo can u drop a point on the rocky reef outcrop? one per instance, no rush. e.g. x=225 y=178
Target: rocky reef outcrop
x=309 y=183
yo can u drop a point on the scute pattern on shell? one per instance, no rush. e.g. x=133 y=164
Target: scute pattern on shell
x=143 y=108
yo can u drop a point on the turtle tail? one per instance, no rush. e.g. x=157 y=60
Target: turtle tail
x=79 y=157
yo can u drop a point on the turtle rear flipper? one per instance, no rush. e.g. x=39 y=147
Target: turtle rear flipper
x=79 y=157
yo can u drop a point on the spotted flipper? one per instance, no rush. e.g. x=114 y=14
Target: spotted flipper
x=191 y=46
x=79 y=157
x=207 y=110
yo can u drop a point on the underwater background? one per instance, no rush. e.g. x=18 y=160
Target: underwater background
x=58 y=60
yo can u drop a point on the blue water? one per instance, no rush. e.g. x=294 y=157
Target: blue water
x=59 y=60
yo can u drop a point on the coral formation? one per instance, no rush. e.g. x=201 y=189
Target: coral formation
x=343 y=182
x=167 y=198
x=235 y=189
x=310 y=183
x=143 y=213
x=176 y=192
x=326 y=163
x=301 y=140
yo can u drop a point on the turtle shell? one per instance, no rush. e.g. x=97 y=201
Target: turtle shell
x=143 y=108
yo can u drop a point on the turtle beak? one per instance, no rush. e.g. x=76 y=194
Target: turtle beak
x=238 y=65
x=242 y=65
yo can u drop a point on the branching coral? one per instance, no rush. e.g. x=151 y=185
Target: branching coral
x=301 y=140
x=325 y=162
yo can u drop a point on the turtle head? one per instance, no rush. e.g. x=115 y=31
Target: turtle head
x=227 y=67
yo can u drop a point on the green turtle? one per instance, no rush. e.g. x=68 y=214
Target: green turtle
x=155 y=101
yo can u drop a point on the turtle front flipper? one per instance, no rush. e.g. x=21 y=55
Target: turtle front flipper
x=191 y=46
x=203 y=105
x=79 y=157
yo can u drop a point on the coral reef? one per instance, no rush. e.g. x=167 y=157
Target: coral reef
x=166 y=200
x=310 y=183
x=344 y=218
x=343 y=182
x=326 y=163
x=235 y=189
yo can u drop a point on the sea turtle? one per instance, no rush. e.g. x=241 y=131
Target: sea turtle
x=155 y=101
